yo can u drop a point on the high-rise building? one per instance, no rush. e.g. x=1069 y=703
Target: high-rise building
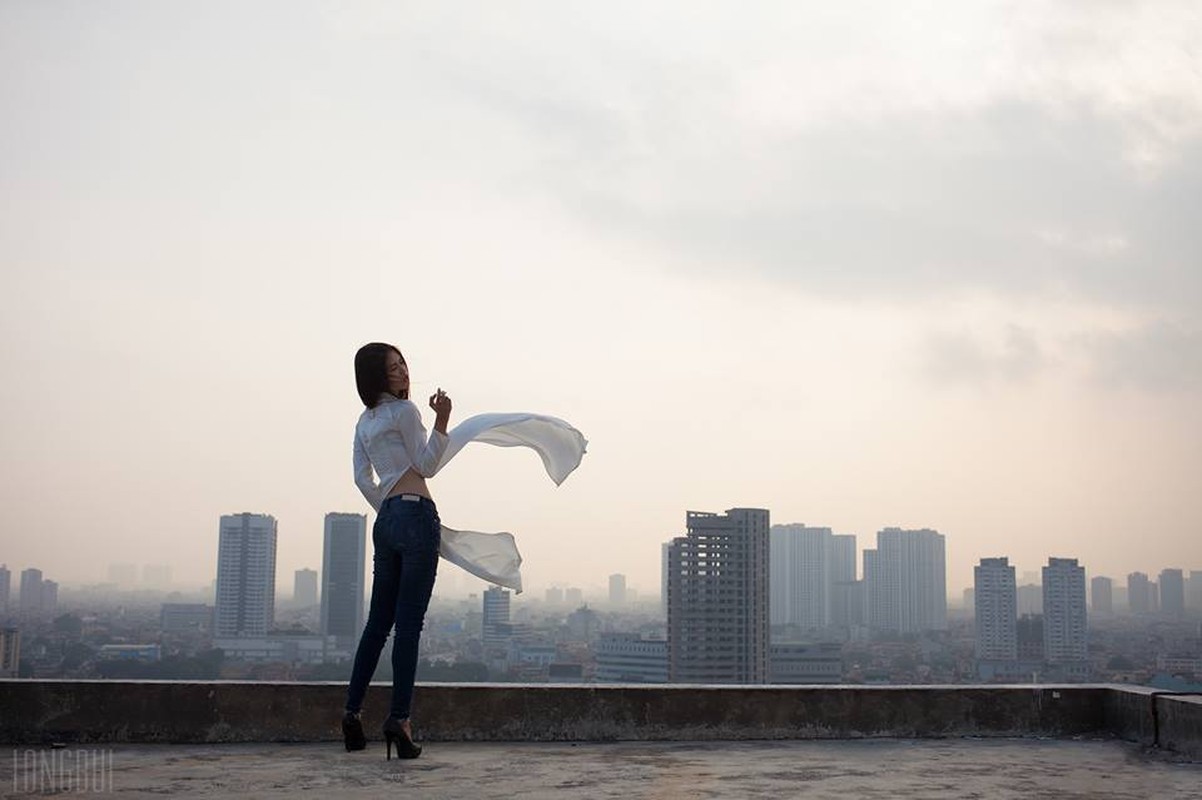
x=49 y=596
x=245 y=575
x=1101 y=593
x=905 y=581
x=496 y=613
x=1193 y=591
x=573 y=597
x=1064 y=617
x=344 y=556
x=304 y=587
x=10 y=652
x=6 y=579
x=1030 y=638
x=844 y=597
x=847 y=604
x=1030 y=599
x=843 y=557
x=718 y=598
x=29 y=597
x=617 y=589
x=873 y=592
x=996 y=609
x=663 y=576
x=813 y=577
x=1139 y=593
x=583 y=624
x=554 y=596
x=799 y=583
x=1172 y=593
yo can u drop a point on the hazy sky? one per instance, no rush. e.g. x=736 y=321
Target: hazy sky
x=864 y=264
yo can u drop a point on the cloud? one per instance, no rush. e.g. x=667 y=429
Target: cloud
x=1159 y=356
x=966 y=358
x=1043 y=151
x=1013 y=200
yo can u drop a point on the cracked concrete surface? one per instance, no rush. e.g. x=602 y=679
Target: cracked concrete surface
x=889 y=768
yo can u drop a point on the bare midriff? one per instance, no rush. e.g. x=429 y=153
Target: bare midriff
x=410 y=483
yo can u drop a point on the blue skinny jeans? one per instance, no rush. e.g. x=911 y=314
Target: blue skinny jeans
x=406 y=538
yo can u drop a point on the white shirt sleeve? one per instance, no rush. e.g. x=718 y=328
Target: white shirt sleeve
x=425 y=455
x=364 y=478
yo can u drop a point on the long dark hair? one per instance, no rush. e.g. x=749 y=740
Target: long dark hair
x=371 y=371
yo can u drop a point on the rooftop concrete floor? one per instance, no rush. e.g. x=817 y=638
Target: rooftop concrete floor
x=877 y=768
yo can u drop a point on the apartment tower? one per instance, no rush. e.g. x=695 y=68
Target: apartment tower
x=1172 y=593
x=245 y=575
x=905 y=581
x=996 y=608
x=1064 y=623
x=1101 y=595
x=800 y=578
x=718 y=598
x=344 y=555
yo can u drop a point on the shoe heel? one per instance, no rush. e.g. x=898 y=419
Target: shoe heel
x=352 y=733
x=405 y=748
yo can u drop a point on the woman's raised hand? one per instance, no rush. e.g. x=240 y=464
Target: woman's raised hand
x=441 y=403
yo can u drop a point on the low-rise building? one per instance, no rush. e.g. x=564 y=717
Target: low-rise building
x=629 y=658
x=805 y=663
x=1180 y=663
x=147 y=653
x=309 y=649
x=186 y=618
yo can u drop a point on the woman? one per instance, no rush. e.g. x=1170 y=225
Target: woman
x=390 y=439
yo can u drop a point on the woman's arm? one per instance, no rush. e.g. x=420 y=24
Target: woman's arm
x=425 y=454
x=363 y=474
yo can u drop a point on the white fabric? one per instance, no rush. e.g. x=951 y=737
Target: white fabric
x=494 y=556
x=560 y=446
x=396 y=437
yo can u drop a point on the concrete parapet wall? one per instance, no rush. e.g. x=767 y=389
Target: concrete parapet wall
x=35 y=712
x=1129 y=713
x=558 y=713
x=1156 y=718
x=1179 y=724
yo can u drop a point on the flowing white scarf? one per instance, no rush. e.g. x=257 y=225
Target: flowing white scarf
x=494 y=556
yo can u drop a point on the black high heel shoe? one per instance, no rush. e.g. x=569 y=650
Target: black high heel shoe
x=352 y=732
x=405 y=748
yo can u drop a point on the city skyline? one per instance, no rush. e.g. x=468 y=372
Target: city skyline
x=861 y=264
x=604 y=585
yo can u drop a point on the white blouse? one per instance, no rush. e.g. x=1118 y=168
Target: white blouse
x=390 y=438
